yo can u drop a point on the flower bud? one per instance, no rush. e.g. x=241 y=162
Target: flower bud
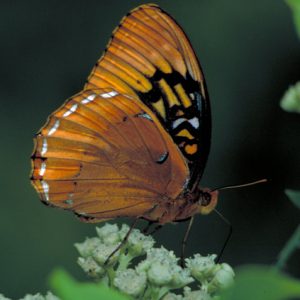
x=86 y=248
x=109 y=234
x=139 y=243
x=160 y=274
x=181 y=277
x=171 y=296
x=90 y=266
x=130 y=282
x=195 y=295
x=223 y=278
x=202 y=267
x=102 y=252
x=162 y=269
x=38 y=296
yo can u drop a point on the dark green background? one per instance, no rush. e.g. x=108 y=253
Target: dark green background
x=250 y=54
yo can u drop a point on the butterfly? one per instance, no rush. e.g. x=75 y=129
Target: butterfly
x=134 y=142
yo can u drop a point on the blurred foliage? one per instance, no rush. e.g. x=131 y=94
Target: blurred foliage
x=294 y=242
x=294 y=196
x=292 y=245
x=295 y=7
x=290 y=101
x=262 y=283
x=67 y=288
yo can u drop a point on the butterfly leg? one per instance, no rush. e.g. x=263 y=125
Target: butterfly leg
x=123 y=241
x=228 y=235
x=185 y=238
x=146 y=229
x=158 y=227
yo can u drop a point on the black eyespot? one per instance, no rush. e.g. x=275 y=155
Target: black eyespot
x=163 y=158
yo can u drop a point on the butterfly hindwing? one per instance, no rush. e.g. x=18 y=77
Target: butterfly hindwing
x=150 y=58
x=103 y=155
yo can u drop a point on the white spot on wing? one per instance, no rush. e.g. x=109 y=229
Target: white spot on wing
x=54 y=128
x=194 y=122
x=44 y=147
x=144 y=115
x=45 y=187
x=109 y=95
x=177 y=122
x=186 y=183
x=71 y=110
x=192 y=96
x=69 y=201
x=88 y=99
x=43 y=169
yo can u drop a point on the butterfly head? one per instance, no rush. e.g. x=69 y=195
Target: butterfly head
x=207 y=200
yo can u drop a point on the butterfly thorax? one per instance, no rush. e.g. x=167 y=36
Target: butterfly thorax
x=186 y=205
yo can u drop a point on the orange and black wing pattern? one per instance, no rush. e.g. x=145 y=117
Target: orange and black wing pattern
x=150 y=57
x=105 y=155
x=139 y=132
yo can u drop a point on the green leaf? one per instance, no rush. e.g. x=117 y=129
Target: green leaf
x=261 y=283
x=292 y=244
x=290 y=101
x=293 y=195
x=67 y=288
x=295 y=7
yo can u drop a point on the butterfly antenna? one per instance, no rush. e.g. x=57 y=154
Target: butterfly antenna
x=240 y=185
x=228 y=235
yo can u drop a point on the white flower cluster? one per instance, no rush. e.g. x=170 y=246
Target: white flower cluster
x=49 y=296
x=95 y=251
x=156 y=275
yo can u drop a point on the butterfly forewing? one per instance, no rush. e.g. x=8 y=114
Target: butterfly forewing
x=150 y=57
x=104 y=154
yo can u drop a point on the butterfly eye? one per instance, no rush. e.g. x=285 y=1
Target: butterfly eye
x=205 y=199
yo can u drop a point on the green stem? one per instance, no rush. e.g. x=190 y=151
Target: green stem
x=111 y=276
x=104 y=280
x=163 y=291
x=155 y=292
x=288 y=249
x=124 y=261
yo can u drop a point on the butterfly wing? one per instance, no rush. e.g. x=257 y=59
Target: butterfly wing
x=105 y=155
x=150 y=57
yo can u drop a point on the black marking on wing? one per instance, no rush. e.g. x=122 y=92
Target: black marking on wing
x=163 y=158
x=198 y=109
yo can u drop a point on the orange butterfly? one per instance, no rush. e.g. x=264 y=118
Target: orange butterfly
x=134 y=142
